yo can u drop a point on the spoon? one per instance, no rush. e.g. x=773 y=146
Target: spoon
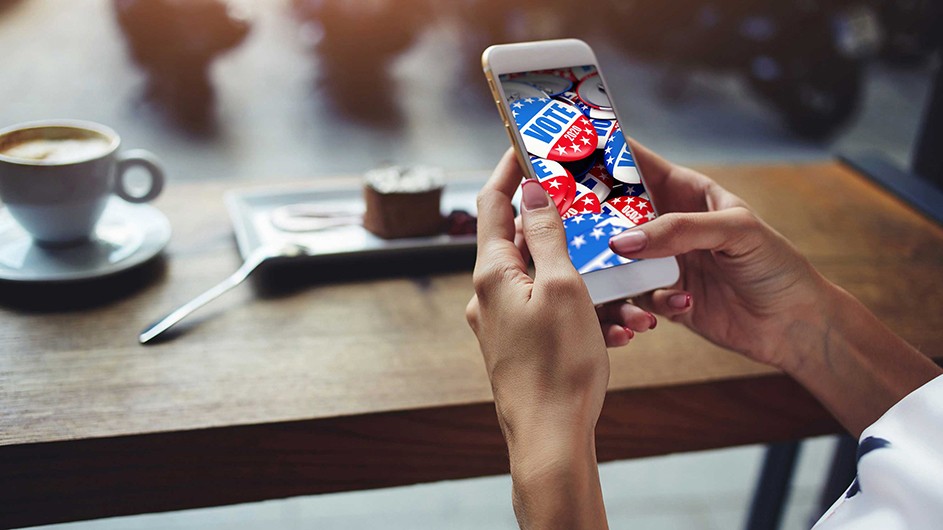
x=252 y=262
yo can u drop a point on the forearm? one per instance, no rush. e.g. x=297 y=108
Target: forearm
x=853 y=364
x=556 y=482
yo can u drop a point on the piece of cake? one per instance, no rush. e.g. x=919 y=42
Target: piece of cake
x=403 y=202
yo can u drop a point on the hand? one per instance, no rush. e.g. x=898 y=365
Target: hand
x=544 y=352
x=541 y=341
x=742 y=286
x=745 y=287
x=619 y=322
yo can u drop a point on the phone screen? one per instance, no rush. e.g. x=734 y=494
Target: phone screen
x=578 y=152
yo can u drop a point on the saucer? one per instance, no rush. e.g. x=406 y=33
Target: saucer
x=127 y=235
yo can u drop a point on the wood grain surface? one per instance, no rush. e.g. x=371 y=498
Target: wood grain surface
x=359 y=375
x=84 y=479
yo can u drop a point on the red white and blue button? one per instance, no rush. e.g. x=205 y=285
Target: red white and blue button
x=599 y=181
x=587 y=238
x=604 y=130
x=585 y=202
x=634 y=210
x=553 y=129
x=558 y=182
x=619 y=159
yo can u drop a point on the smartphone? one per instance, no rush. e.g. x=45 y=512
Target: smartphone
x=567 y=134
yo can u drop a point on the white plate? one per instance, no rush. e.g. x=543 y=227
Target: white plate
x=251 y=211
x=127 y=235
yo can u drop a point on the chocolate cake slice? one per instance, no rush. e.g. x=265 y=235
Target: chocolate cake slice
x=403 y=202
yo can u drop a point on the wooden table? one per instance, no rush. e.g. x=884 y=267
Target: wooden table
x=349 y=380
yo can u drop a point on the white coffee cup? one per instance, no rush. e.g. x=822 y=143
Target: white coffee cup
x=56 y=177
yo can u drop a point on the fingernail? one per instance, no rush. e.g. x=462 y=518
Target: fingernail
x=630 y=333
x=533 y=195
x=654 y=321
x=629 y=241
x=679 y=301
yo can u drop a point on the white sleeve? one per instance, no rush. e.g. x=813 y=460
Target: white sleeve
x=900 y=469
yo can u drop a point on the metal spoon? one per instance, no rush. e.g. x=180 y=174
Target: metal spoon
x=252 y=262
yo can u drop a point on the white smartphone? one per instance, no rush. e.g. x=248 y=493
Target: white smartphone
x=567 y=134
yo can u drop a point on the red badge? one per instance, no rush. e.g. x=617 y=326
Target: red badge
x=585 y=202
x=558 y=182
x=635 y=210
x=562 y=190
x=600 y=173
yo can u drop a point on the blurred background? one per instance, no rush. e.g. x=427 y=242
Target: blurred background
x=272 y=90
x=276 y=89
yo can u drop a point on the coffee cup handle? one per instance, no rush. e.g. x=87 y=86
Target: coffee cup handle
x=146 y=160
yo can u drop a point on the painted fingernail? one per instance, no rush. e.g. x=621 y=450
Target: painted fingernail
x=679 y=301
x=629 y=241
x=533 y=195
x=629 y=332
x=654 y=321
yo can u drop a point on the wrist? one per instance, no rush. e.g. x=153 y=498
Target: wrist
x=549 y=427
x=853 y=364
x=535 y=413
x=547 y=439
x=806 y=341
x=556 y=483
x=533 y=452
x=548 y=457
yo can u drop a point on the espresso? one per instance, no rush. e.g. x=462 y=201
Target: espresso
x=58 y=150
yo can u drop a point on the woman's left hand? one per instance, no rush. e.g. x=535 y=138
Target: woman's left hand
x=540 y=335
x=544 y=350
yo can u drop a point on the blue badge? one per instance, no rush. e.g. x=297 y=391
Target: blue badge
x=619 y=159
x=604 y=129
x=587 y=238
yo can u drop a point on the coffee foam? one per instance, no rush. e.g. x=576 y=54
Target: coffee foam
x=58 y=150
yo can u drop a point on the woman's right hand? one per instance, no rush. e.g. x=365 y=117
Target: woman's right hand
x=745 y=287
x=742 y=285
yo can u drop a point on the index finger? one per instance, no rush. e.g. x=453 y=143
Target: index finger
x=495 y=212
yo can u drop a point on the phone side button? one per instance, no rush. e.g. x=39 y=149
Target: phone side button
x=501 y=109
x=507 y=129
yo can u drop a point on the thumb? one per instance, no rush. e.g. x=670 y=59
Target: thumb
x=543 y=230
x=732 y=231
